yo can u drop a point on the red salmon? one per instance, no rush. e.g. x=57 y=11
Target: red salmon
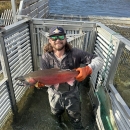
x=48 y=76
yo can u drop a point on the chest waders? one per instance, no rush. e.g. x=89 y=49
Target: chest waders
x=66 y=97
x=66 y=63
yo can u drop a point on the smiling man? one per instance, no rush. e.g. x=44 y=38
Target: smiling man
x=65 y=96
x=58 y=40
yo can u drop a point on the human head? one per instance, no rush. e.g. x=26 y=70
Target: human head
x=57 y=38
x=56 y=30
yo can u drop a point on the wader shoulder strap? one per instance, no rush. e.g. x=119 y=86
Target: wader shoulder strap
x=51 y=62
x=70 y=61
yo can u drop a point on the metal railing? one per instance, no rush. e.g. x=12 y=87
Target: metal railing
x=22 y=43
x=114 y=49
x=17 y=57
x=33 y=9
x=20 y=47
x=7 y=16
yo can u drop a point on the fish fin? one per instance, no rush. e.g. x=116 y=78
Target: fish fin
x=39 y=85
x=71 y=82
x=36 y=85
x=25 y=84
x=56 y=86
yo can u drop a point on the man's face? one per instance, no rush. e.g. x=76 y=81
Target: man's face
x=58 y=42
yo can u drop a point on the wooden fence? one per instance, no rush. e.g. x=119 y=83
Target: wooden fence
x=34 y=9
x=7 y=16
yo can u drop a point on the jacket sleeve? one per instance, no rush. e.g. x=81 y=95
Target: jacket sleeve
x=96 y=63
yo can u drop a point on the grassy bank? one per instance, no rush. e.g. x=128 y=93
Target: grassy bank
x=4 y=5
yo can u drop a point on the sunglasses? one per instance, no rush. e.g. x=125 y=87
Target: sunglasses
x=60 y=37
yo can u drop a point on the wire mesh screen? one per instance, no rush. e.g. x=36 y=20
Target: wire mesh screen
x=5 y=104
x=7 y=16
x=105 y=50
x=122 y=76
x=18 y=49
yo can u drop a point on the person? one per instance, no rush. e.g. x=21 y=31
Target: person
x=60 y=54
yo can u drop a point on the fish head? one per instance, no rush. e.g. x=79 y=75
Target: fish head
x=29 y=81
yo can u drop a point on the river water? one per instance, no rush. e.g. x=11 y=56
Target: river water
x=115 y=8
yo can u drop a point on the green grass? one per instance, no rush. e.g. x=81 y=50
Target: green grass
x=4 y=5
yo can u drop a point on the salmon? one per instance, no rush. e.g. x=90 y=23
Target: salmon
x=48 y=76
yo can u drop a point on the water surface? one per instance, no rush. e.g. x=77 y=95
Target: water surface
x=116 y=8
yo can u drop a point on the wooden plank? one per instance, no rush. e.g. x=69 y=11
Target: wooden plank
x=25 y=11
x=40 y=8
x=29 y=8
x=33 y=13
x=40 y=3
x=46 y=4
x=33 y=1
x=33 y=6
x=43 y=13
x=28 y=3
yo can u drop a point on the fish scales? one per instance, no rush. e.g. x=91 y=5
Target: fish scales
x=49 y=76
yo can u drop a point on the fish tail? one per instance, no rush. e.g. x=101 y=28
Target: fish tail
x=24 y=83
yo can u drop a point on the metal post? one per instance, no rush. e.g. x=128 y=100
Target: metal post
x=117 y=54
x=92 y=39
x=14 y=9
x=9 y=81
x=33 y=45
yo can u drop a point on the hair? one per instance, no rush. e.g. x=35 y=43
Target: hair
x=49 y=48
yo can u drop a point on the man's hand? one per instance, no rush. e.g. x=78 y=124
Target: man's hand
x=83 y=73
x=39 y=85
